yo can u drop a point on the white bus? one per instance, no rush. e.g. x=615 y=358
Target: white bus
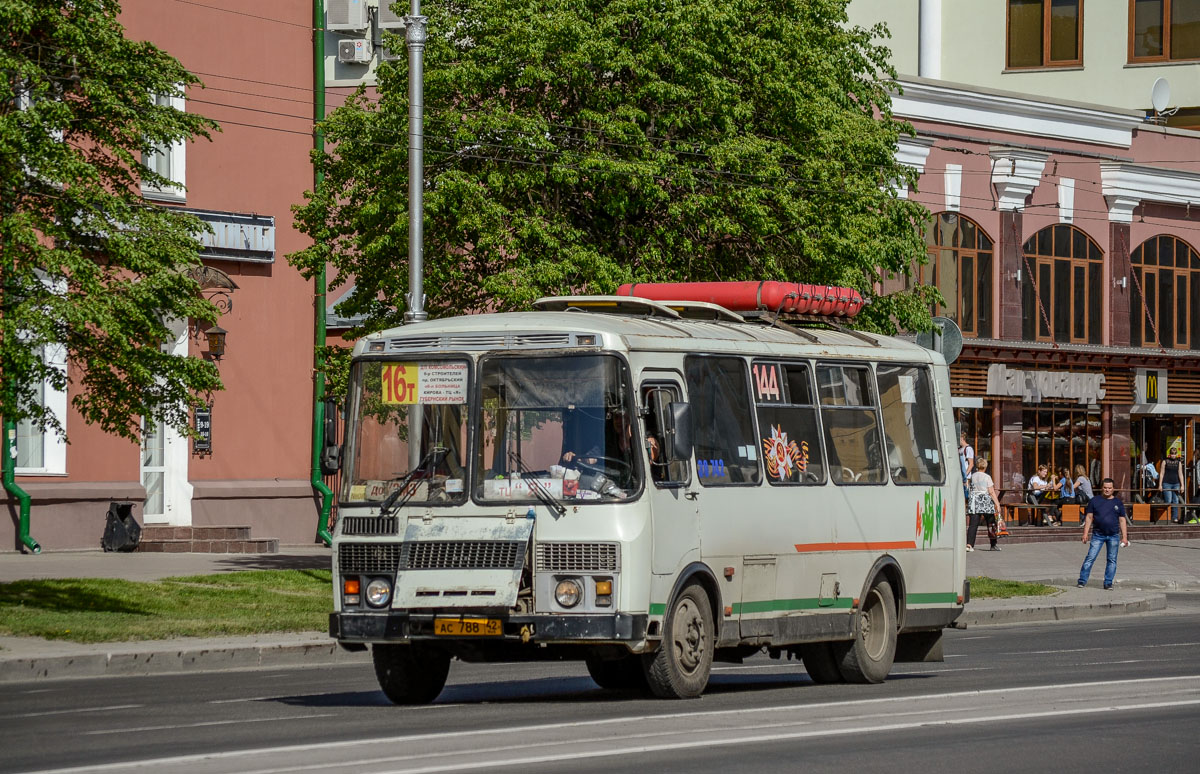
x=646 y=486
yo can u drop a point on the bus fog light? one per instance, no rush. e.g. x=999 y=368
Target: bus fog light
x=378 y=592
x=568 y=592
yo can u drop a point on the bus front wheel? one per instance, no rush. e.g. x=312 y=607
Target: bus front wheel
x=868 y=657
x=680 y=667
x=410 y=674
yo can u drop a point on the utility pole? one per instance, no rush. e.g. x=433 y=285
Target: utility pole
x=415 y=35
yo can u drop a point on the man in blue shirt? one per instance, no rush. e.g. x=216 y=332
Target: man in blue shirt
x=1104 y=525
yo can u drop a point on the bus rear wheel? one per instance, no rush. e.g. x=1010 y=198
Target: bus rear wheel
x=410 y=674
x=617 y=674
x=680 y=667
x=868 y=657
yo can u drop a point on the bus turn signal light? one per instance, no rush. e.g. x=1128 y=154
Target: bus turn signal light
x=603 y=588
x=350 y=586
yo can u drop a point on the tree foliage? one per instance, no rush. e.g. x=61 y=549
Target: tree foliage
x=87 y=263
x=572 y=145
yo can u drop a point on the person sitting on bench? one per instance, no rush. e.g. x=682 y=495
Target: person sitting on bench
x=1039 y=489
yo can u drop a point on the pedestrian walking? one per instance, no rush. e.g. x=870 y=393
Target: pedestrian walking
x=1104 y=524
x=982 y=505
x=1170 y=482
x=966 y=461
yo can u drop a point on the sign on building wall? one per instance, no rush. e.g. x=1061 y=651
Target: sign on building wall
x=1150 y=385
x=203 y=443
x=237 y=236
x=1037 y=386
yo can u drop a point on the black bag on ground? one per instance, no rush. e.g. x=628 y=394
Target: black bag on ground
x=121 y=530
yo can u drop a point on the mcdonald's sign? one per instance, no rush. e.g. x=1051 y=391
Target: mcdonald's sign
x=1150 y=385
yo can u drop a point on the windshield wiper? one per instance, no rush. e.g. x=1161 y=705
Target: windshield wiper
x=432 y=459
x=540 y=492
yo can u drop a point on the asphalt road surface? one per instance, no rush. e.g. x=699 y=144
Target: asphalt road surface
x=1110 y=695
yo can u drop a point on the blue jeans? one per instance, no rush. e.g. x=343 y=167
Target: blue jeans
x=1170 y=493
x=1110 y=568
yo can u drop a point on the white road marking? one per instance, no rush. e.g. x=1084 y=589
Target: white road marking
x=635 y=719
x=207 y=723
x=978 y=637
x=73 y=711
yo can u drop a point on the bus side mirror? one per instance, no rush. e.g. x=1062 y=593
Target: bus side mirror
x=679 y=431
x=331 y=451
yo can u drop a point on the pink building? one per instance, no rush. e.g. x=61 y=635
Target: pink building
x=257 y=67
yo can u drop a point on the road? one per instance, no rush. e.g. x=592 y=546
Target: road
x=1115 y=695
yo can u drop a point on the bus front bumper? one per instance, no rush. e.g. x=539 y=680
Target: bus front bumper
x=400 y=627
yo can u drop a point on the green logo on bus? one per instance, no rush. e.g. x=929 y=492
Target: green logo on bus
x=930 y=517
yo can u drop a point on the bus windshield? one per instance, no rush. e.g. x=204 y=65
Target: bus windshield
x=407 y=429
x=561 y=424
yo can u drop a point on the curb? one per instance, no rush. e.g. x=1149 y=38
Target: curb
x=128 y=659
x=124 y=662
x=988 y=615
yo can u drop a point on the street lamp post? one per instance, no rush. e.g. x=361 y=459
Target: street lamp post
x=415 y=35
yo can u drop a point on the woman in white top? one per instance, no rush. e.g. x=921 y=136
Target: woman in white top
x=982 y=505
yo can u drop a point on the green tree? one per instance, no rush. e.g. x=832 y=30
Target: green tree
x=86 y=263
x=572 y=145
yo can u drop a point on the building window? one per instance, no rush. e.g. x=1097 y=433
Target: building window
x=1064 y=265
x=1060 y=438
x=1045 y=33
x=44 y=452
x=1164 y=30
x=166 y=160
x=960 y=265
x=1164 y=287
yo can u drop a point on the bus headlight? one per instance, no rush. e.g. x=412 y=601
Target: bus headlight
x=568 y=592
x=379 y=591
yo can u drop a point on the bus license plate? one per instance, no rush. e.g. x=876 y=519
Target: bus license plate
x=468 y=627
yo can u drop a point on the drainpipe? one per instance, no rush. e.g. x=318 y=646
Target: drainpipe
x=10 y=486
x=318 y=434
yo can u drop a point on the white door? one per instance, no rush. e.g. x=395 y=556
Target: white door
x=164 y=461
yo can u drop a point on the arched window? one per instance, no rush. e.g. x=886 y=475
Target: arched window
x=1164 y=287
x=960 y=265
x=1065 y=266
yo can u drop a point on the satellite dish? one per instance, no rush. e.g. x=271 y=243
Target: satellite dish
x=945 y=338
x=1160 y=95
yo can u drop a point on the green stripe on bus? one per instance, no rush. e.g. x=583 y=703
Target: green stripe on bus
x=783 y=605
x=657 y=609
x=933 y=599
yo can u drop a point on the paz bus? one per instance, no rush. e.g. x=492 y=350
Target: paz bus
x=648 y=482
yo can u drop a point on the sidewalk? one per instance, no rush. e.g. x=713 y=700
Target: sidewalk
x=1146 y=570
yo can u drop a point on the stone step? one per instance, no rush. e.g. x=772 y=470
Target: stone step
x=1072 y=532
x=154 y=533
x=199 y=546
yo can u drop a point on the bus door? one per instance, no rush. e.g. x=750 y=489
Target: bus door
x=669 y=485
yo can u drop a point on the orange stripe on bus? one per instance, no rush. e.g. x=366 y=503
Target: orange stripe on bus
x=806 y=547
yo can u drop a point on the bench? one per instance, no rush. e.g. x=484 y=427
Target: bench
x=1035 y=513
x=1149 y=513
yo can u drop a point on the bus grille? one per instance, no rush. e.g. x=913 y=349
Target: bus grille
x=368 y=558
x=463 y=555
x=369 y=525
x=577 y=557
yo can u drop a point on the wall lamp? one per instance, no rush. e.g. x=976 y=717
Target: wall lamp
x=216 y=341
x=1120 y=283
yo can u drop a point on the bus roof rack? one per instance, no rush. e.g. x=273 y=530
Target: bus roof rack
x=633 y=305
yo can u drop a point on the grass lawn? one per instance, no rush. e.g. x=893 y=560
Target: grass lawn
x=103 y=610
x=990 y=588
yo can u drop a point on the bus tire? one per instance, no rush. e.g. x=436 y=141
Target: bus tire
x=680 y=667
x=868 y=657
x=617 y=674
x=820 y=663
x=410 y=674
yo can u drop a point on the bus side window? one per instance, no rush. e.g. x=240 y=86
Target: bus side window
x=657 y=398
x=850 y=416
x=910 y=424
x=787 y=423
x=723 y=429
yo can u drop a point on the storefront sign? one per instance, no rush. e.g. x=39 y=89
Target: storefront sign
x=1150 y=386
x=1036 y=386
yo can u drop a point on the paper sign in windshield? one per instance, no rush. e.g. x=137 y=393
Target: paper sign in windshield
x=405 y=384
